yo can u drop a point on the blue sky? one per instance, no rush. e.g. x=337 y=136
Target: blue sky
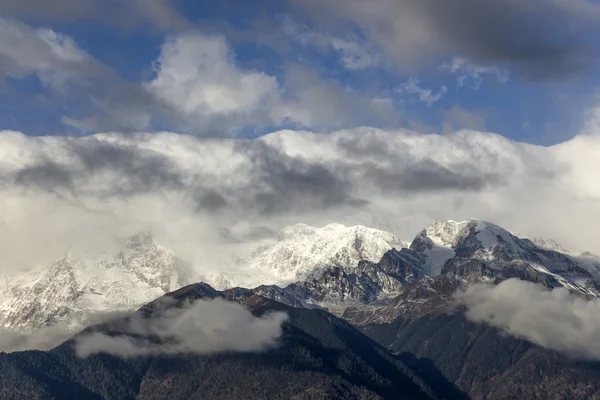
x=526 y=70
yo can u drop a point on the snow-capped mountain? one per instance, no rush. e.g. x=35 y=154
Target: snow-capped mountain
x=333 y=267
x=302 y=251
x=71 y=289
x=453 y=254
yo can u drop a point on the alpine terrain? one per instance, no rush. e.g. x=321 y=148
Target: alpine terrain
x=355 y=326
x=71 y=290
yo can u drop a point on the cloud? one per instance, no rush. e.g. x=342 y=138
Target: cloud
x=473 y=75
x=555 y=319
x=591 y=123
x=70 y=74
x=459 y=118
x=200 y=327
x=317 y=103
x=540 y=38
x=87 y=194
x=424 y=95
x=54 y=58
x=161 y=14
x=48 y=337
x=354 y=52
x=144 y=171
x=197 y=76
x=40 y=339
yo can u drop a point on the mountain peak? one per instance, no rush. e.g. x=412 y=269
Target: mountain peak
x=449 y=233
x=302 y=250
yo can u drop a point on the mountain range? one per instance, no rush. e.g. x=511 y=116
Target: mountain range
x=71 y=289
x=367 y=316
x=334 y=267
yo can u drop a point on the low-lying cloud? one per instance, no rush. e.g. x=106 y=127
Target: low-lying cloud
x=556 y=319
x=49 y=336
x=204 y=198
x=200 y=327
x=44 y=338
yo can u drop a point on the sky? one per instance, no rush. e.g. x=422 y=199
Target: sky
x=525 y=69
x=217 y=124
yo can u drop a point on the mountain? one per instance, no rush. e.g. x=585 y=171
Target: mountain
x=318 y=356
x=396 y=331
x=485 y=362
x=334 y=268
x=476 y=250
x=71 y=289
x=302 y=251
x=452 y=254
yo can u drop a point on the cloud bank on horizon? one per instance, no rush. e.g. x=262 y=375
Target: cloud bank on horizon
x=89 y=193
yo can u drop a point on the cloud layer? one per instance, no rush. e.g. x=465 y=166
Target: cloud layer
x=200 y=327
x=554 y=319
x=540 y=38
x=206 y=199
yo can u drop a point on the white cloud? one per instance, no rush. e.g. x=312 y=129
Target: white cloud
x=555 y=319
x=50 y=336
x=198 y=77
x=40 y=339
x=88 y=193
x=457 y=118
x=53 y=57
x=69 y=72
x=591 y=123
x=473 y=75
x=355 y=53
x=424 y=95
x=126 y=118
x=201 y=327
x=315 y=102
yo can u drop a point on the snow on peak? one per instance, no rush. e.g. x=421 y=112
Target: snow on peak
x=72 y=287
x=438 y=242
x=302 y=249
x=489 y=235
x=550 y=244
x=448 y=233
x=452 y=233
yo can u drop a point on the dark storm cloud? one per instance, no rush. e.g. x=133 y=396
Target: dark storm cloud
x=428 y=175
x=294 y=183
x=210 y=200
x=542 y=38
x=161 y=14
x=137 y=171
x=59 y=9
x=47 y=175
x=412 y=175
